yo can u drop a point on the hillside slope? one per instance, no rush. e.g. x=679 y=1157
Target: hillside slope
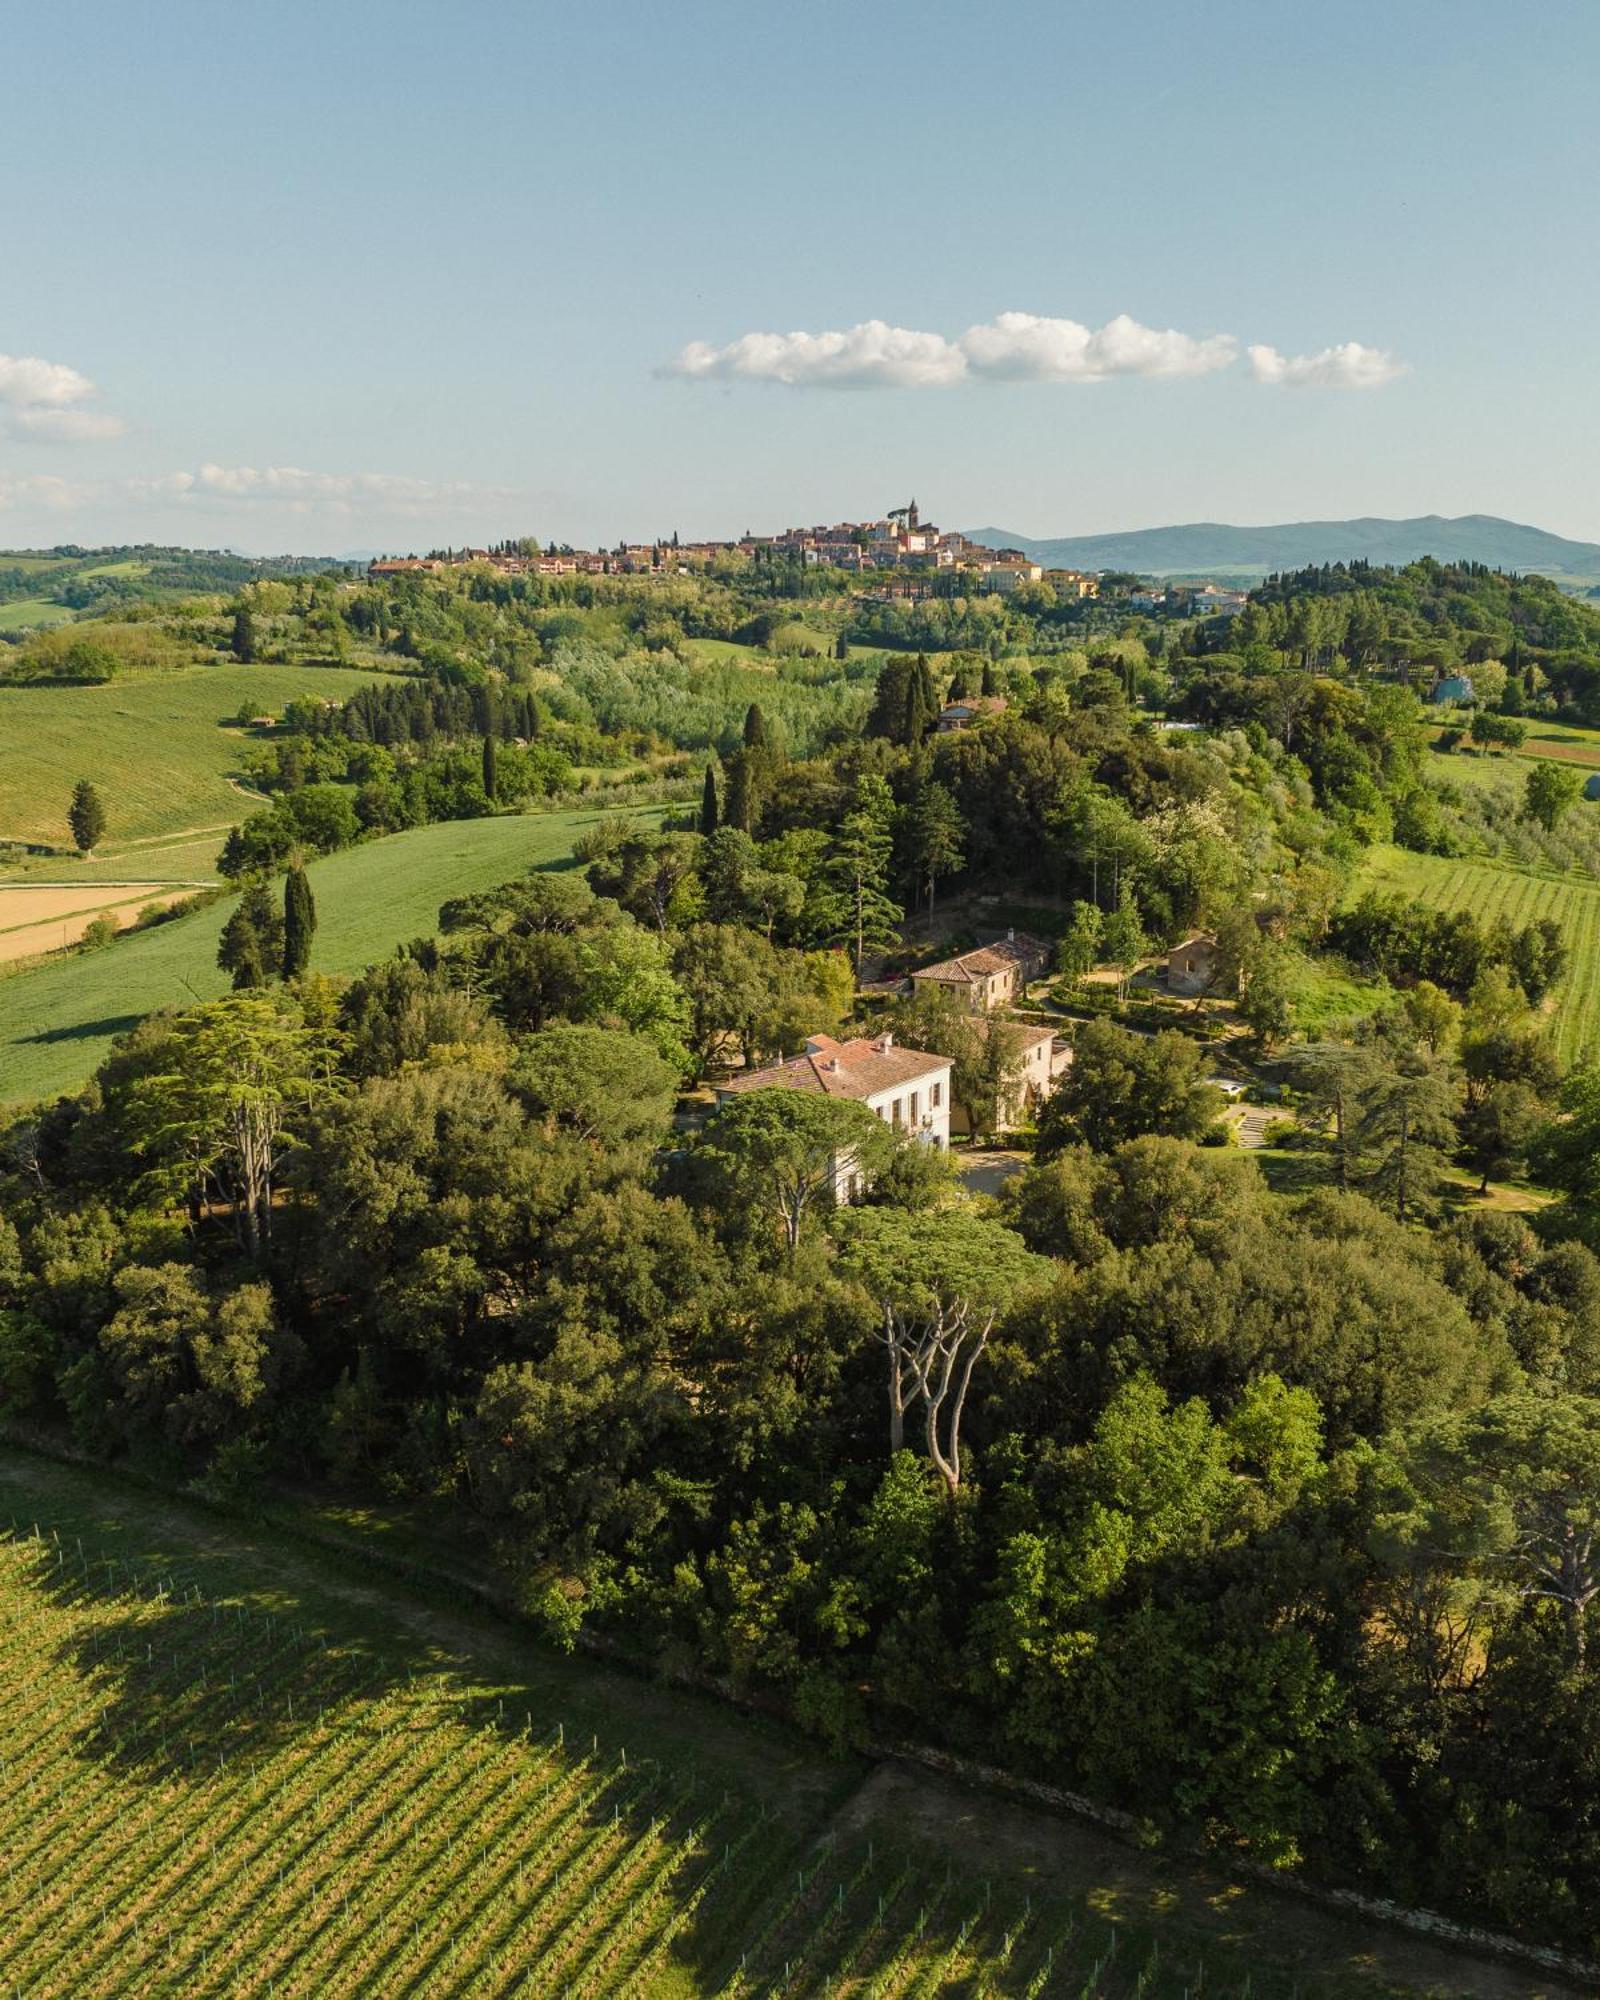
x=1198 y=546
x=59 y=1018
x=159 y=747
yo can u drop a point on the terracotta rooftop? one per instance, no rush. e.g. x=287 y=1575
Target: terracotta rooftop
x=859 y=1069
x=984 y=960
x=976 y=704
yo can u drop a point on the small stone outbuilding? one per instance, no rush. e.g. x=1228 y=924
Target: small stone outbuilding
x=1192 y=965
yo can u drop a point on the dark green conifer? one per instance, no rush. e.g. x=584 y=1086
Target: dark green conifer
x=299 y=923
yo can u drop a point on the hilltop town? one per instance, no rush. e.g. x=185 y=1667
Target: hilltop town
x=905 y=556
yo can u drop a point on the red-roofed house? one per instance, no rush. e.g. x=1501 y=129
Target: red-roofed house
x=973 y=708
x=904 y=1087
x=991 y=976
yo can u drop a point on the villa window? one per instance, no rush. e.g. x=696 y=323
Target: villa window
x=936 y=1095
x=912 y=1109
x=894 y=1112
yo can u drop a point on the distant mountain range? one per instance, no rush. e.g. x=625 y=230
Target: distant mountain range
x=1205 y=548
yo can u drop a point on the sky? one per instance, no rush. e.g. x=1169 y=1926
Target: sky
x=358 y=276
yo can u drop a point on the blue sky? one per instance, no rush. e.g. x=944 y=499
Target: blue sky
x=358 y=275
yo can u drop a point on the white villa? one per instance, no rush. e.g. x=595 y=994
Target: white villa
x=904 y=1087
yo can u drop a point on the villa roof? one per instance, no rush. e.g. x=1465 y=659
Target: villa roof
x=986 y=959
x=859 y=1069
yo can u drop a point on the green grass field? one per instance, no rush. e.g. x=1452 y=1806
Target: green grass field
x=1324 y=994
x=170 y=857
x=1490 y=889
x=27 y=614
x=58 y=1017
x=232 y=1764
x=154 y=745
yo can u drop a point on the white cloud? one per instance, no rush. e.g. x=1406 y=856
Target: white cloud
x=1014 y=347
x=288 y=487
x=305 y=492
x=45 y=399
x=66 y=426
x=1348 y=366
x=335 y=492
x=1023 y=347
x=35 y=489
x=873 y=355
x=25 y=380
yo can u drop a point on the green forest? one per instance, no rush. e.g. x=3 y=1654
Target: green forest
x=1254 y=1492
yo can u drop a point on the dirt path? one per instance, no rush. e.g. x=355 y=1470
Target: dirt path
x=986 y=1170
x=1022 y=1842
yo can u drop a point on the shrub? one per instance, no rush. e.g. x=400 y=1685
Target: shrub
x=100 y=932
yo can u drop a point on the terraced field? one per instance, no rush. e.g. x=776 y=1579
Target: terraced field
x=231 y=1766
x=1490 y=889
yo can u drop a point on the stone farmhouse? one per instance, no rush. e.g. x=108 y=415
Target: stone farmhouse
x=991 y=976
x=1192 y=965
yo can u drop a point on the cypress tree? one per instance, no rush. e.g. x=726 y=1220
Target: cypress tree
x=739 y=807
x=927 y=696
x=299 y=923
x=710 y=812
x=86 y=816
x=755 y=728
x=890 y=705
x=244 y=635
x=491 y=772
x=251 y=946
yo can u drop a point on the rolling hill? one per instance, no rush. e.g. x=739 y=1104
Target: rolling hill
x=59 y=1017
x=161 y=747
x=1212 y=547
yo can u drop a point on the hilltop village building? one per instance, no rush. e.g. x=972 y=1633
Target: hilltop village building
x=900 y=542
x=905 y=555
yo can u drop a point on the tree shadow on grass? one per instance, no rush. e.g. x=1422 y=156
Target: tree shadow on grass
x=563 y=1857
x=177 y=1683
x=1294 y=1170
x=82 y=1031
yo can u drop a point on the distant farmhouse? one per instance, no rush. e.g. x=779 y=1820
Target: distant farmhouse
x=992 y=975
x=962 y=714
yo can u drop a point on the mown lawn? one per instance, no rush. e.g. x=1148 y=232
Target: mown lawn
x=59 y=1018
